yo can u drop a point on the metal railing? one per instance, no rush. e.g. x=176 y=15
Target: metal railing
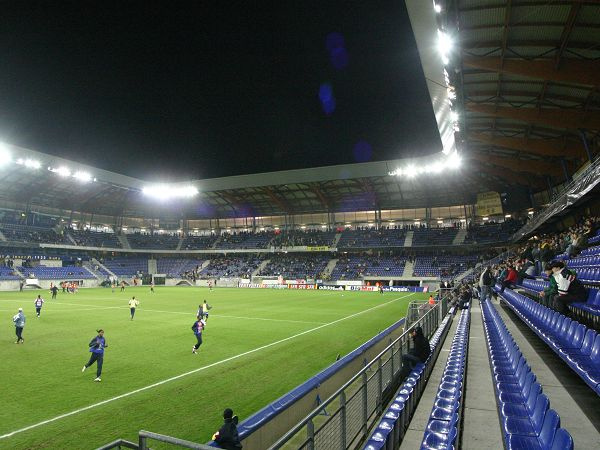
x=569 y=195
x=343 y=420
x=145 y=436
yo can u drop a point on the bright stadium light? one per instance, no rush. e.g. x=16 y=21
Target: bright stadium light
x=63 y=171
x=437 y=7
x=82 y=176
x=453 y=116
x=166 y=192
x=4 y=154
x=454 y=161
x=444 y=46
x=29 y=163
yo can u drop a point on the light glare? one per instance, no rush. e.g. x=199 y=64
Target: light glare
x=166 y=192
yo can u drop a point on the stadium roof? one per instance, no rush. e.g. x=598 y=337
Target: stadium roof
x=351 y=187
x=529 y=79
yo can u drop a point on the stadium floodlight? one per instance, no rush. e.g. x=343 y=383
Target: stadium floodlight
x=62 y=171
x=454 y=161
x=437 y=7
x=485 y=219
x=29 y=163
x=444 y=46
x=410 y=171
x=166 y=192
x=453 y=116
x=507 y=216
x=82 y=176
x=4 y=154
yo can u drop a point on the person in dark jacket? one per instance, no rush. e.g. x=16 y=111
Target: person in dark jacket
x=227 y=437
x=97 y=346
x=418 y=354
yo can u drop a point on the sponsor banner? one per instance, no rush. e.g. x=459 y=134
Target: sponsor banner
x=262 y=286
x=331 y=288
x=403 y=289
x=301 y=286
x=322 y=248
x=489 y=204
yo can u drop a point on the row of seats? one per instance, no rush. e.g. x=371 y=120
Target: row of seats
x=577 y=345
x=591 y=251
x=442 y=429
x=391 y=428
x=527 y=422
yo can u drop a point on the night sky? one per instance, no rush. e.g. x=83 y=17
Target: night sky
x=185 y=90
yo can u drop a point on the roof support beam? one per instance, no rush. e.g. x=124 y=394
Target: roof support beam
x=511 y=177
x=540 y=147
x=557 y=118
x=571 y=70
x=316 y=189
x=530 y=166
x=564 y=38
x=276 y=199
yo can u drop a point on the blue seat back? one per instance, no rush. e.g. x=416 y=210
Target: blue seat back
x=562 y=440
x=551 y=423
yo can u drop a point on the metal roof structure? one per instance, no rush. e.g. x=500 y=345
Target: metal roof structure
x=350 y=187
x=528 y=81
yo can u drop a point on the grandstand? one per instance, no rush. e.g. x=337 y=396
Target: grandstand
x=518 y=111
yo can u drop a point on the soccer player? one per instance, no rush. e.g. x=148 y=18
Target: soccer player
x=210 y=285
x=123 y=286
x=97 y=346
x=19 y=321
x=38 y=302
x=205 y=308
x=197 y=329
x=54 y=291
x=152 y=287
x=133 y=303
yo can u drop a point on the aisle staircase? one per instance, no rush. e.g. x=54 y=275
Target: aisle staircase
x=460 y=237
x=2 y=237
x=260 y=267
x=123 y=240
x=329 y=268
x=336 y=240
x=99 y=264
x=409 y=240
x=409 y=269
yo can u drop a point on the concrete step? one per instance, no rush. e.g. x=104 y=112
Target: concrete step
x=409 y=240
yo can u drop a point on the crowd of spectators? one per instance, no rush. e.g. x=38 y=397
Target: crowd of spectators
x=309 y=238
x=244 y=240
x=241 y=266
x=368 y=237
x=296 y=266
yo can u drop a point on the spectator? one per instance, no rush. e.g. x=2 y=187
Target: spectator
x=570 y=288
x=486 y=281
x=548 y=295
x=227 y=437
x=19 y=321
x=418 y=354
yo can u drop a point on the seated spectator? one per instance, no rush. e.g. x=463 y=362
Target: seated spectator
x=418 y=354
x=510 y=280
x=570 y=288
x=548 y=295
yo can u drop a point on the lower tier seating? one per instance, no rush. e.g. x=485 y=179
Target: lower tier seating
x=394 y=422
x=576 y=345
x=442 y=428
x=526 y=420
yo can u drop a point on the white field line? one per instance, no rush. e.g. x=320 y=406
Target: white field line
x=96 y=307
x=191 y=372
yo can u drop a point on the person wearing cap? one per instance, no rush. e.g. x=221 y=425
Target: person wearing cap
x=97 y=346
x=19 y=321
x=227 y=437
x=418 y=354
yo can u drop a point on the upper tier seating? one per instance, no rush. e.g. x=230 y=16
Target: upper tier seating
x=89 y=238
x=244 y=240
x=192 y=242
x=23 y=233
x=296 y=266
x=491 y=232
x=154 y=241
x=56 y=273
x=434 y=236
x=310 y=238
x=526 y=420
x=369 y=237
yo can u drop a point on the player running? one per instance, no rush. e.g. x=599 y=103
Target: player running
x=197 y=328
x=133 y=303
x=38 y=302
x=97 y=346
x=54 y=291
x=152 y=287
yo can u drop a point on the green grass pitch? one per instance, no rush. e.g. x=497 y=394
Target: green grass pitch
x=258 y=345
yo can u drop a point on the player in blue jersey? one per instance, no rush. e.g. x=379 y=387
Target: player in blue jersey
x=197 y=329
x=38 y=302
x=97 y=346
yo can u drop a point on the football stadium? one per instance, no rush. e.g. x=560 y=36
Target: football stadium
x=438 y=299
